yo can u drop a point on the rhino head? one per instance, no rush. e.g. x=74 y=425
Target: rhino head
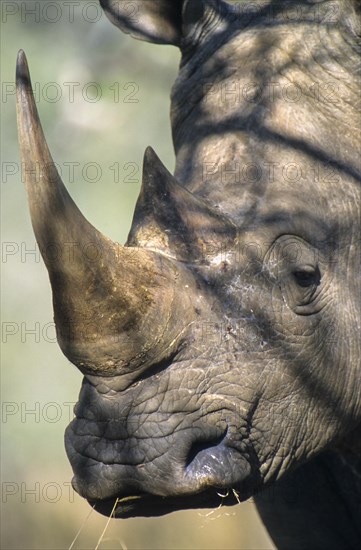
x=220 y=346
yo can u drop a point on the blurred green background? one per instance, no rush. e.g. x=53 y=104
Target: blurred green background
x=103 y=97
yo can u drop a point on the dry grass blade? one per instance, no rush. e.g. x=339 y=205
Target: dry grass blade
x=223 y=496
x=81 y=528
x=236 y=495
x=106 y=525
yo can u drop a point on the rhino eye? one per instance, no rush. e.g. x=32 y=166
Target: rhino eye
x=294 y=268
x=307 y=276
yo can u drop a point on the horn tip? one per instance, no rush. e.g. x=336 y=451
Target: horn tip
x=22 y=70
x=152 y=165
x=150 y=155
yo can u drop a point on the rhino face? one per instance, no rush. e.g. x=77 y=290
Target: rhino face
x=223 y=349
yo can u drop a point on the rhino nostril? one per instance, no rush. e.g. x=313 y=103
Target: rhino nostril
x=200 y=448
x=215 y=463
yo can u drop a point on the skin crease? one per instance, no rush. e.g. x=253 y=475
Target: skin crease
x=256 y=388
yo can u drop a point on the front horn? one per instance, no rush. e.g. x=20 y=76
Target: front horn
x=115 y=308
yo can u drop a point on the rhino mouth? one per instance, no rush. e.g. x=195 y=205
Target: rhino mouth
x=216 y=476
x=147 y=505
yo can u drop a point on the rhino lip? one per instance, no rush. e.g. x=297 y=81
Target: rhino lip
x=147 y=505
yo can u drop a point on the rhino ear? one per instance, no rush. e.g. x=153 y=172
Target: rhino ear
x=159 y=21
x=170 y=219
x=156 y=21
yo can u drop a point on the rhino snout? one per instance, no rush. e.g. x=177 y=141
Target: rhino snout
x=179 y=456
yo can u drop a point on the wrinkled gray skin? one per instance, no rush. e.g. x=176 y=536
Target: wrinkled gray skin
x=259 y=391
